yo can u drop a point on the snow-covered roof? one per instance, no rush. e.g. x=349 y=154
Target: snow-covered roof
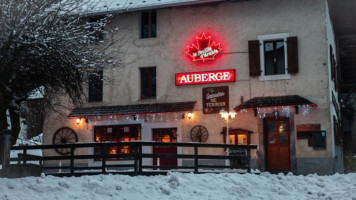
x=116 y=6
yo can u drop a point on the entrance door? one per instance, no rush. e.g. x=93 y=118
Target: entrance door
x=165 y=135
x=277 y=143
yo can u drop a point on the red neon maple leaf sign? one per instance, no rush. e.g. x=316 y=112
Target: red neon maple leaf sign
x=203 y=50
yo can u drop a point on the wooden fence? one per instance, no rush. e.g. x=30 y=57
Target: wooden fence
x=135 y=156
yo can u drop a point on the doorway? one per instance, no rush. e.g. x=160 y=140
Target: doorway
x=165 y=135
x=277 y=144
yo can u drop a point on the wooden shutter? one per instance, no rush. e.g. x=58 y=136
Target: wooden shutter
x=338 y=79
x=292 y=51
x=254 y=57
x=332 y=63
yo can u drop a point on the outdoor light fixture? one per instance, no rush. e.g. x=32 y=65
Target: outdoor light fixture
x=189 y=115
x=227 y=116
x=78 y=120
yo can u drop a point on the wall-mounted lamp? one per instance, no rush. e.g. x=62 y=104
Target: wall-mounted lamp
x=189 y=115
x=78 y=120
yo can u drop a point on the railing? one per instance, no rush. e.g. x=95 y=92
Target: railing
x=135 y=156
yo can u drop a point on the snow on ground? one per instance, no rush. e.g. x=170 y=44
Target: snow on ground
x=181 y=186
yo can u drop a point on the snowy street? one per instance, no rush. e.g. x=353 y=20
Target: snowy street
x=181 y=186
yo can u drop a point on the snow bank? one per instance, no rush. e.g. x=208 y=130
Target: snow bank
x=181 y=186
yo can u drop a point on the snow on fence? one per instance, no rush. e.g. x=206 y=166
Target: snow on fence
x=134 y=154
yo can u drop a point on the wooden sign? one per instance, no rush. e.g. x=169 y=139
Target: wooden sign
x=215 y=98
x=308 y=127
x=316 y=138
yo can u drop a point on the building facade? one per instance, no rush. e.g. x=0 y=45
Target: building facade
x=174 y=67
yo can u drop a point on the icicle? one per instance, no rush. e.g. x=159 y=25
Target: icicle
x=258 y=113
x=306 y=109
x=264 y=112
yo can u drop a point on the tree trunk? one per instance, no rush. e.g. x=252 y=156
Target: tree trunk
x=15 y=125
x=3 y=118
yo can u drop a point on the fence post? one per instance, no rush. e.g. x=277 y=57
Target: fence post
x=248 y=160
x=195 y=159
x=103 y=161
x=140 y=158
x=6 y=135
x=24 y=156
x=135 y=158
x=72 y=160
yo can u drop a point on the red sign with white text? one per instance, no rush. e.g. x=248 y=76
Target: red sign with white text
x=204 y=49
x=192 y=78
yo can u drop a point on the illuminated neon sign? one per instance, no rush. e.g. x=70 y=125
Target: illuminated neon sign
x=204 y=49
x=192 y=78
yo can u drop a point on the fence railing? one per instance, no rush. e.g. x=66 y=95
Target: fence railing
x=70 y=165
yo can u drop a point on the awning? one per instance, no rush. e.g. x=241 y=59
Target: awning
x=133 y=109
x=274 y=101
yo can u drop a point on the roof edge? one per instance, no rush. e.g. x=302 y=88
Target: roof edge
x=151 y=7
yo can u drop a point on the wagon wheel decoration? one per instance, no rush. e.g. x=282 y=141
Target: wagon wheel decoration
x=64 y=135
x=199 y=134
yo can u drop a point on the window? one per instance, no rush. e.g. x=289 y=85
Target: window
x=148 y=24
x=274 y=53
x=273 y=57
x=95 y=86
x=148 y=82
x=237 y=136
x=97 y=28
x=121 y=133
x=165 y=135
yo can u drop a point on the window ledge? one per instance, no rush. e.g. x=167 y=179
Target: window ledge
x=275 y=77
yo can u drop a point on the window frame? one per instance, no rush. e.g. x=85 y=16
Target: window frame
x=273 y=37
x=150 y=20
x=151 y=96
x=102 y=87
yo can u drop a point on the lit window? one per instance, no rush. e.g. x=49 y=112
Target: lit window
x=121 y=133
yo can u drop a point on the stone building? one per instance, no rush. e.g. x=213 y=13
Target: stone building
x=177 y=64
